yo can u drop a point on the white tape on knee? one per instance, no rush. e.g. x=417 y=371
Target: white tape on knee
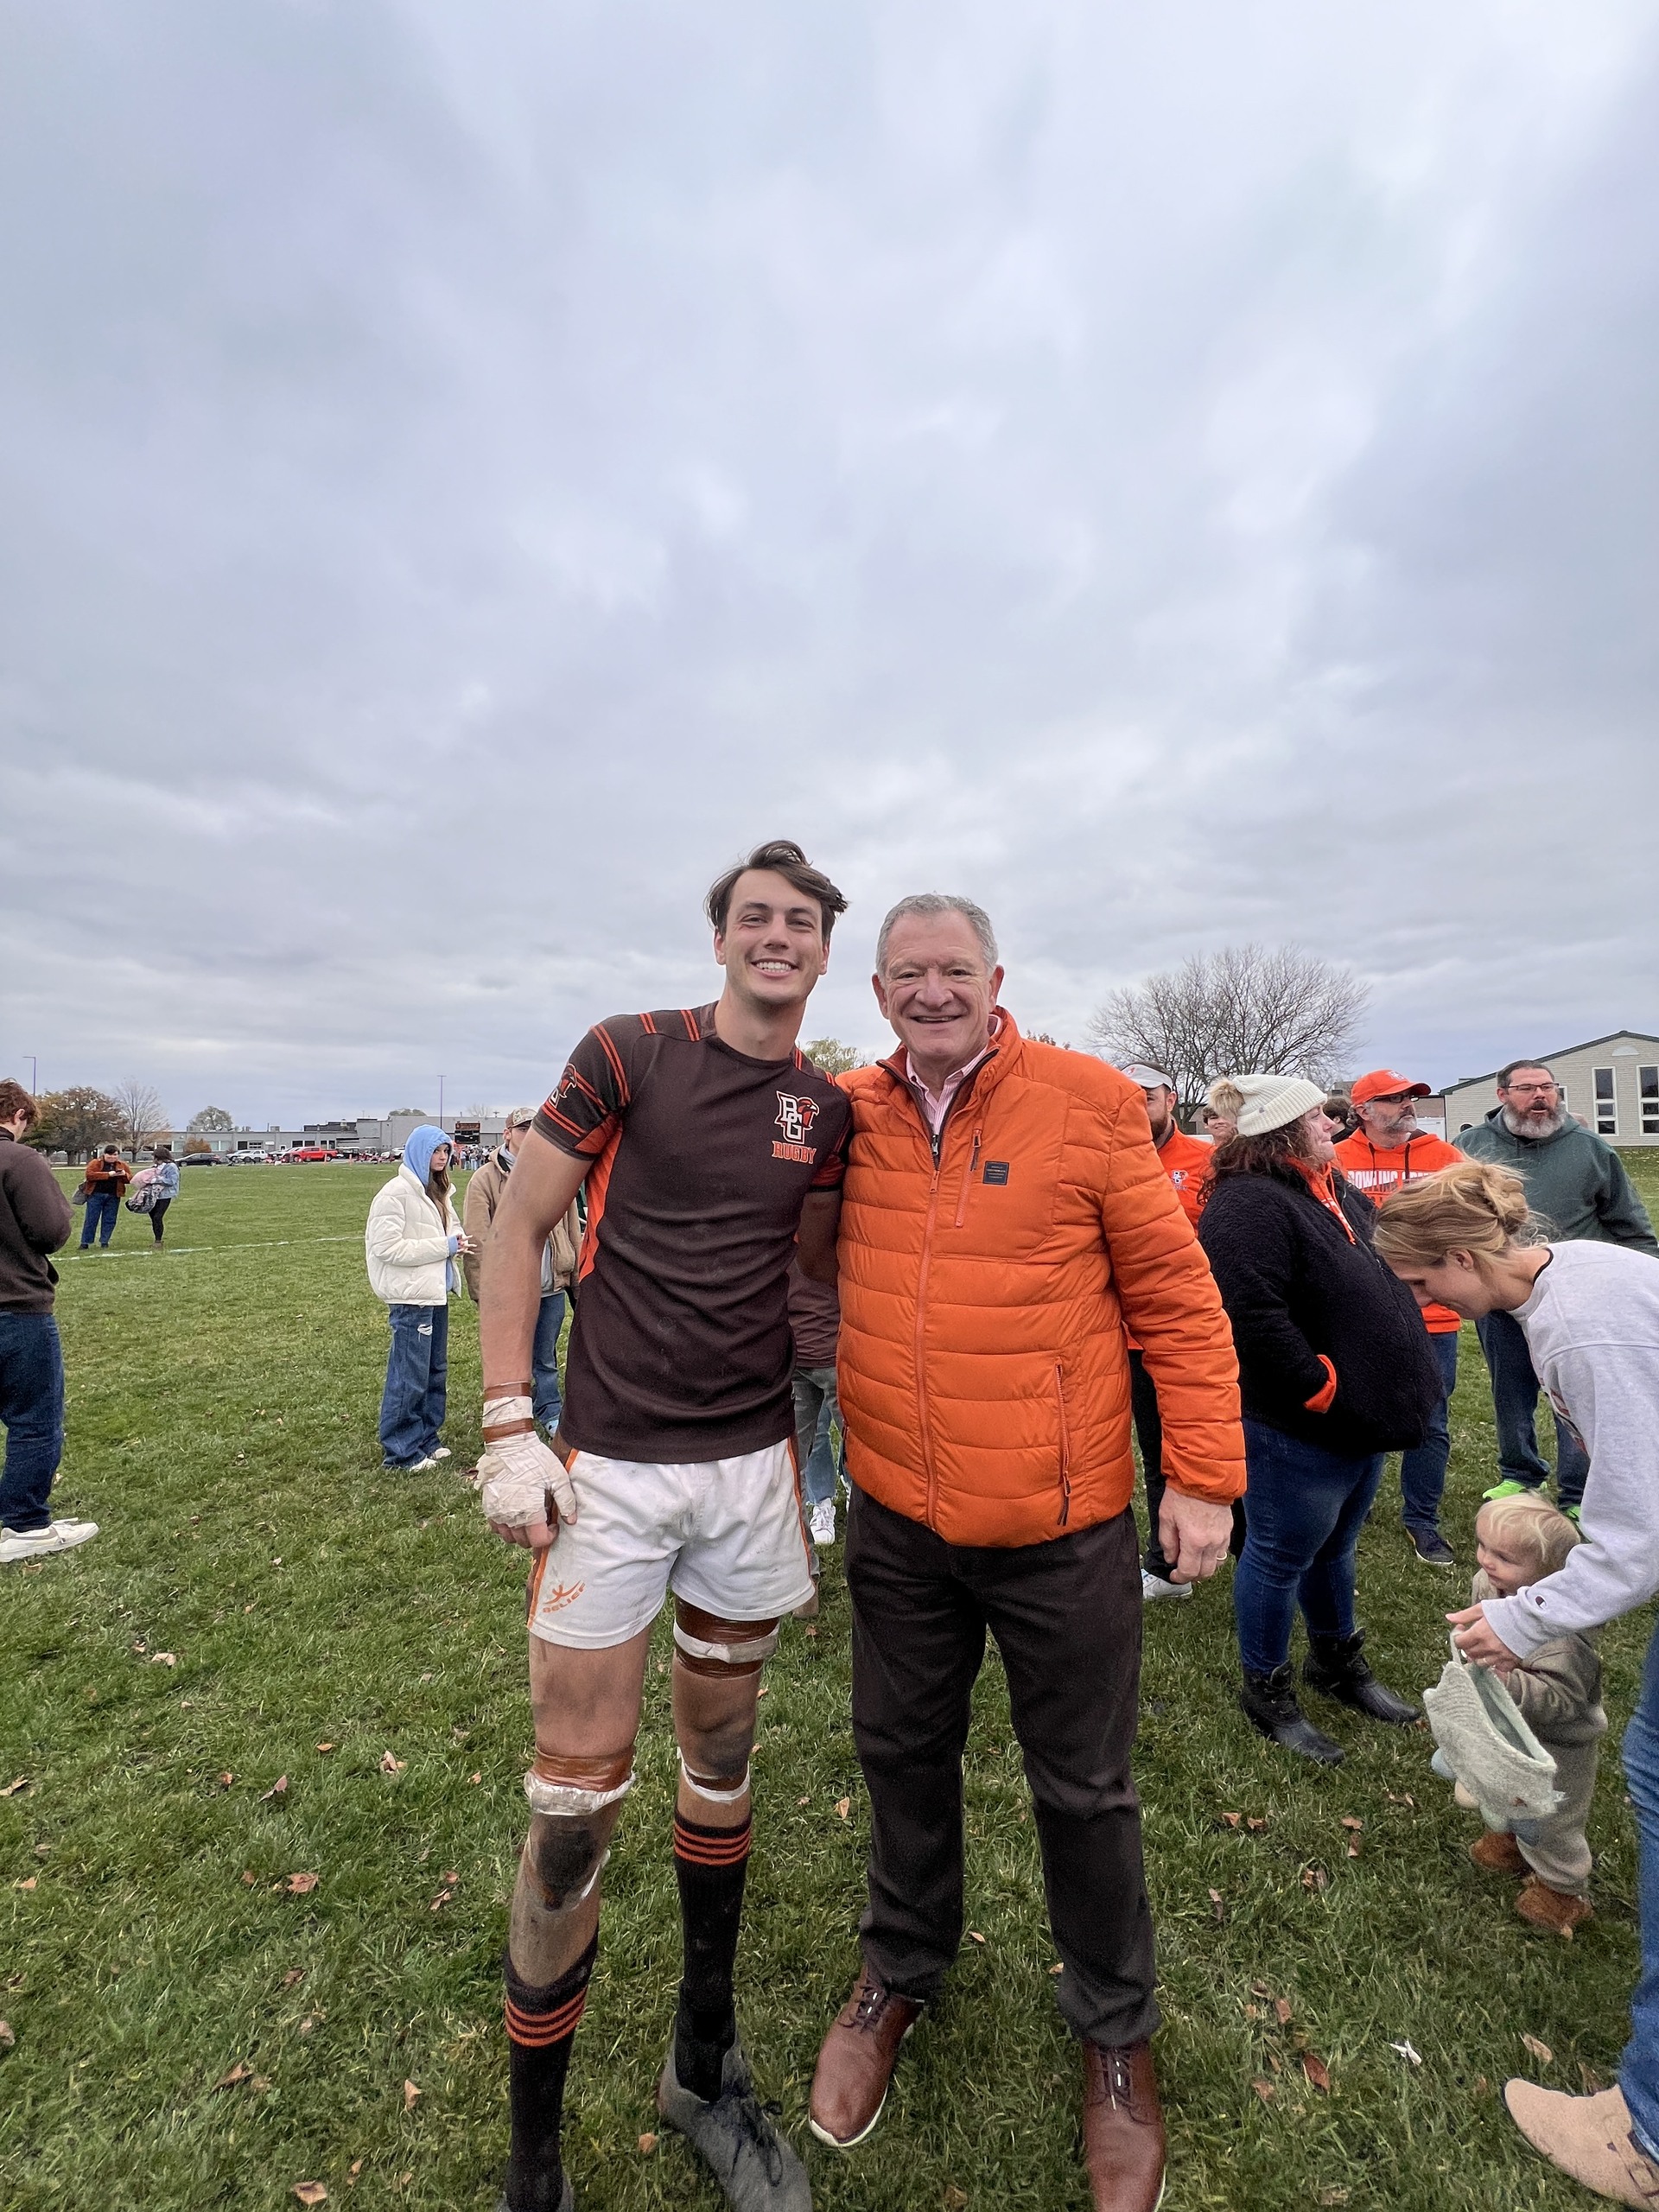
x=726 y=1655
x=560 y=1802
x=713 y=1796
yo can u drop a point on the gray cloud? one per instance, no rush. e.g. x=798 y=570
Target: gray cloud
x=467 y=473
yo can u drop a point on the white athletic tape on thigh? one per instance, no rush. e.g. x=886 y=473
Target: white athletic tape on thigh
x=560 y=1801
x=726 y=1655
x=713 y=1796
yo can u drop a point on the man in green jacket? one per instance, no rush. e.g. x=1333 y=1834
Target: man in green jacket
x=1579 y=1187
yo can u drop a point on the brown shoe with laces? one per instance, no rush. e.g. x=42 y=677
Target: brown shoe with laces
x=856 y=2061
x=1122 y=2129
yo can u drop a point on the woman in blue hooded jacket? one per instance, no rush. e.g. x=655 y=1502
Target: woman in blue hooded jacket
x=411 y=1240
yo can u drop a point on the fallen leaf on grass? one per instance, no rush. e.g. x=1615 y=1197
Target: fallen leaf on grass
x=1541 y=2051
x=765 y=1690
x=1350 y=1823
x=1412 y=2058
x=1353 y=1850
x=12 y=1787
x=1281 y=2007
x=648 y=2144
x=28 y=1885
x=1256 y=1827
x=295 y=1975
x=1232 y=1820
x=409 y=2094
x=226 y=1779
x=1318 y=2073
x=7 y=2035
x=390 y=1765
x=1315 y=1878
x=800 y=1801
x=1059 y=1966
x=955 y=2199
x=811 y=1633
x=278 y=1789
x=843 y=1806
x=1405 y=1798
x=1261 y=1989
x=1217 y=1905
x=311 y=2192
x=240 y=2072
x=326 y=1748
x=301 y=1885
x=1337 y=2196
x=162 y=1659
x=442 y=1899
x=973 y=1935
x=1264 y=2090
x=353 y=2172
x=249 y=1876
x=474 y=1777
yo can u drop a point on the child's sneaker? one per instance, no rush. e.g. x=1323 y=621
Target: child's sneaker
x=1498 y=1853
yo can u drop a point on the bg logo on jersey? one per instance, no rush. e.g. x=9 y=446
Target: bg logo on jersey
x=795 y=1118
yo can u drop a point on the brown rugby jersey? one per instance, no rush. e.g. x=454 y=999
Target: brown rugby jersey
x=702 y=1159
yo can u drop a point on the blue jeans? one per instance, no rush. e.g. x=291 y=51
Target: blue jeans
x=815 y=1407
x=1514 y=1401
x=102 y=1207
x=1422 y=1471
x=411 y=1408
x=545 y=1403
x=1639 y=2070
x=1305 y=1507
x=31 y=1406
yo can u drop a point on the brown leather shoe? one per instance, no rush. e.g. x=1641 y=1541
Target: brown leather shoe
x=1122 y=2129
x=856 y=2062
x=1498 y=1854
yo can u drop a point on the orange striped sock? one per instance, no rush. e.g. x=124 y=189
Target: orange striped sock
x=541 y=2028
x=711 y=1865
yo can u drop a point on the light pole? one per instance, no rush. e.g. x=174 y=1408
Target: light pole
x=440 y=1101
x=33 y=1076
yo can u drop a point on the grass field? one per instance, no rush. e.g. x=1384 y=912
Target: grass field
x=264 y=1602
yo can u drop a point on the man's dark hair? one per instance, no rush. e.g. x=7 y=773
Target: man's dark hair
x=784 y=858
x=1504 y=1073
x=14 y=1100
x=110 y=1148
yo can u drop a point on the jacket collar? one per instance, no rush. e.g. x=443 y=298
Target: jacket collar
x=1003 y=1054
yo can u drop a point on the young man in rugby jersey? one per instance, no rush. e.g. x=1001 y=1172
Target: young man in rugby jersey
x=707 y=1145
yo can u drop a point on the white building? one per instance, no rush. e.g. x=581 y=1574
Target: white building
x=1611 y=1082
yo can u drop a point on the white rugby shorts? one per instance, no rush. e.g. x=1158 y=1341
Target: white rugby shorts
x=725 y=1534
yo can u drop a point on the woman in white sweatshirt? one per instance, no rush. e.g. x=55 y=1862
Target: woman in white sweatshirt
x=1591 y=1315
x=412 y=1237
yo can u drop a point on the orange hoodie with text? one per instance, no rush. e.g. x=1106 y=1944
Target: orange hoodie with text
x=1374 y=1171
x=987 y=1294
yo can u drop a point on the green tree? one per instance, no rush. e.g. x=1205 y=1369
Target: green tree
x=211 y=1117
x=76 y=1121
x=831 y=1057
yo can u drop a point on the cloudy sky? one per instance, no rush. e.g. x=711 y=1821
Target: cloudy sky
x=1180 y=474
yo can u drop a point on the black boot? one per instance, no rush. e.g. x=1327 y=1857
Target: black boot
x=1336 y=1664
x=1269 y=1703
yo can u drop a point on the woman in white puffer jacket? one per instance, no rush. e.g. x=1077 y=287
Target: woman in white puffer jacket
x=412 y=1237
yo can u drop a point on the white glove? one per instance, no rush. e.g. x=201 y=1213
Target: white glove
x=520 y=1481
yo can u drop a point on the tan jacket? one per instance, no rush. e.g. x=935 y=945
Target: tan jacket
x=478 y=1218
x=1557 y=1686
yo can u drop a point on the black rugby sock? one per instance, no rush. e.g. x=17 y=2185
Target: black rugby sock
x=541 y=2028
x=711 y=1865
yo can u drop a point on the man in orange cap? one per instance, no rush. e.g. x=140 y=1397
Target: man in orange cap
x=1387 y=1150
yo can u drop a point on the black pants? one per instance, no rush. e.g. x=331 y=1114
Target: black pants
x=1149 y=1435
x=157 y=1215
x=1067 y=1617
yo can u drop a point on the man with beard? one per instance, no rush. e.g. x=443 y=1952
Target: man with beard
x=1578 y=1186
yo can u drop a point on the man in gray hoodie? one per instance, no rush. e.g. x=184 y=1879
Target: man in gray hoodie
x=34 y=1220
x=1579 y=1187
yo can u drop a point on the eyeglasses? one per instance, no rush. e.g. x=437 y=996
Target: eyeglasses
x=1531 y=1090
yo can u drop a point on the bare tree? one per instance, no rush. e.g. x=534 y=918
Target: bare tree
x=1248 y=1009
x=142 y=1114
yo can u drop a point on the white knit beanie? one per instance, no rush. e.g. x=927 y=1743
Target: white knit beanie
x=1270 y=1101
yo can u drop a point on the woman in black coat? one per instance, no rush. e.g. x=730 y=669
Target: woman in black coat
x=1335 y=1372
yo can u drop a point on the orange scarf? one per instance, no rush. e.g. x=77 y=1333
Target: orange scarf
x=1322 y=1184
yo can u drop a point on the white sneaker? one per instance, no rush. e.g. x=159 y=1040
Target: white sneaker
x=40 y=1543
x=443 y=1451
x=422 y=1466
x=1153 y=1585
x=823 y=1523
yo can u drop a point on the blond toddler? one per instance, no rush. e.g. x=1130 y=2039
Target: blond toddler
x=1518 y=1540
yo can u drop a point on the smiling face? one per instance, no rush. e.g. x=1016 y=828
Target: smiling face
x=1321 y=1135
x=773 y=947
x=1161 y=1110
x=937 y=991
x=1507 y=1564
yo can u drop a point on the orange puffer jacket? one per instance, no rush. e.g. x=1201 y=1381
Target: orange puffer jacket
x=983 y=1369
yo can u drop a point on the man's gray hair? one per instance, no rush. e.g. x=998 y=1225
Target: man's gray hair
x=937 y=902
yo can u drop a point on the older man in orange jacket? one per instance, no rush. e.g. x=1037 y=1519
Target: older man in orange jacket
x=1006 y=1225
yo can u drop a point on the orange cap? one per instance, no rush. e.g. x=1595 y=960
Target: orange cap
x=1387 y=1082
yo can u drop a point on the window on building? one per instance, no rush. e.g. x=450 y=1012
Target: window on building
x=1647 y=1085
x=1606 y=1104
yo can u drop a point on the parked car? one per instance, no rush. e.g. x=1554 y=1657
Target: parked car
x=199 y=1159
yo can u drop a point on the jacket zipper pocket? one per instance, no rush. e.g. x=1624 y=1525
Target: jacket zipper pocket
x=973 y=1162
x=1065 y=1448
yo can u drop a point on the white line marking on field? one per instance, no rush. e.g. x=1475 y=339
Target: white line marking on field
x=183 y=1251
